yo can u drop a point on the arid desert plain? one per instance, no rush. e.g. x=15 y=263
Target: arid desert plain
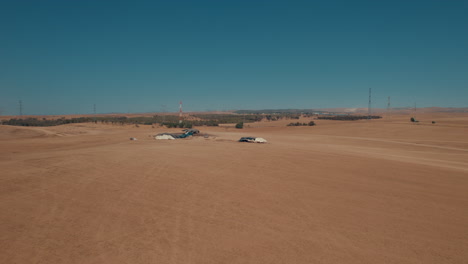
x=378 y=191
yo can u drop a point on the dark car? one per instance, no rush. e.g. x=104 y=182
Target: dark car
x=247 y=139
x=191 y=130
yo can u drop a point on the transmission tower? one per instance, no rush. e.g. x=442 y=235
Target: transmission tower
x=388 y=106
x=21 y=108
x=94 y=115
x=180 y=112
x=163 y=110
x=369 y=106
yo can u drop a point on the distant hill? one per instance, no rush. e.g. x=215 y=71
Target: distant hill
x=338 y=110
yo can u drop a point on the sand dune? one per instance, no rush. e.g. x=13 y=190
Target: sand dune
x=11 y=133
x=380 y=191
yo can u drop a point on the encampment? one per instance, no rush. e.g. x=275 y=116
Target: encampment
x=187 y=133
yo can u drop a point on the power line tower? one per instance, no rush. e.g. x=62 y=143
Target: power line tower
x=415 y=108
x=21 y=108
x=163 y=110
x=388 y=106
x=369 y=106
x=94 y=116
x=180 y=112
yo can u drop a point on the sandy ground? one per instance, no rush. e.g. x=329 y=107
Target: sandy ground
x=380 y=191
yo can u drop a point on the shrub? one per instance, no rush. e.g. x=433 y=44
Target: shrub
x=348 y=117
x=311 y=123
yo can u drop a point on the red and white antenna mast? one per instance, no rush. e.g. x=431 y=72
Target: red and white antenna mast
x=180 y=112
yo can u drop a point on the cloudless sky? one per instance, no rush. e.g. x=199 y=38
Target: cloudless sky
x=62 y=57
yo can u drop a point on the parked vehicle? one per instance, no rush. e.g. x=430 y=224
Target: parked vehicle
x=253 y=139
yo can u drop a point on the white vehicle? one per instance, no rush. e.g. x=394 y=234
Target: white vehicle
x=253 y=139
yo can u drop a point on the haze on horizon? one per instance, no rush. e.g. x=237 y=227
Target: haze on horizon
x=62 y=57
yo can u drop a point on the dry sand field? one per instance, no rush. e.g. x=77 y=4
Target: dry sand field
x=380 y=191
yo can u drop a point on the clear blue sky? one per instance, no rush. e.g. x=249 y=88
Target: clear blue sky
x=61 y=57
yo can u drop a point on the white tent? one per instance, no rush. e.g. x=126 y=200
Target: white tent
x=164 y=137
x=260 y=140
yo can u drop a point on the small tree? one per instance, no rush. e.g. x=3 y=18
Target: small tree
x=240 y=125
x=311 y=123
